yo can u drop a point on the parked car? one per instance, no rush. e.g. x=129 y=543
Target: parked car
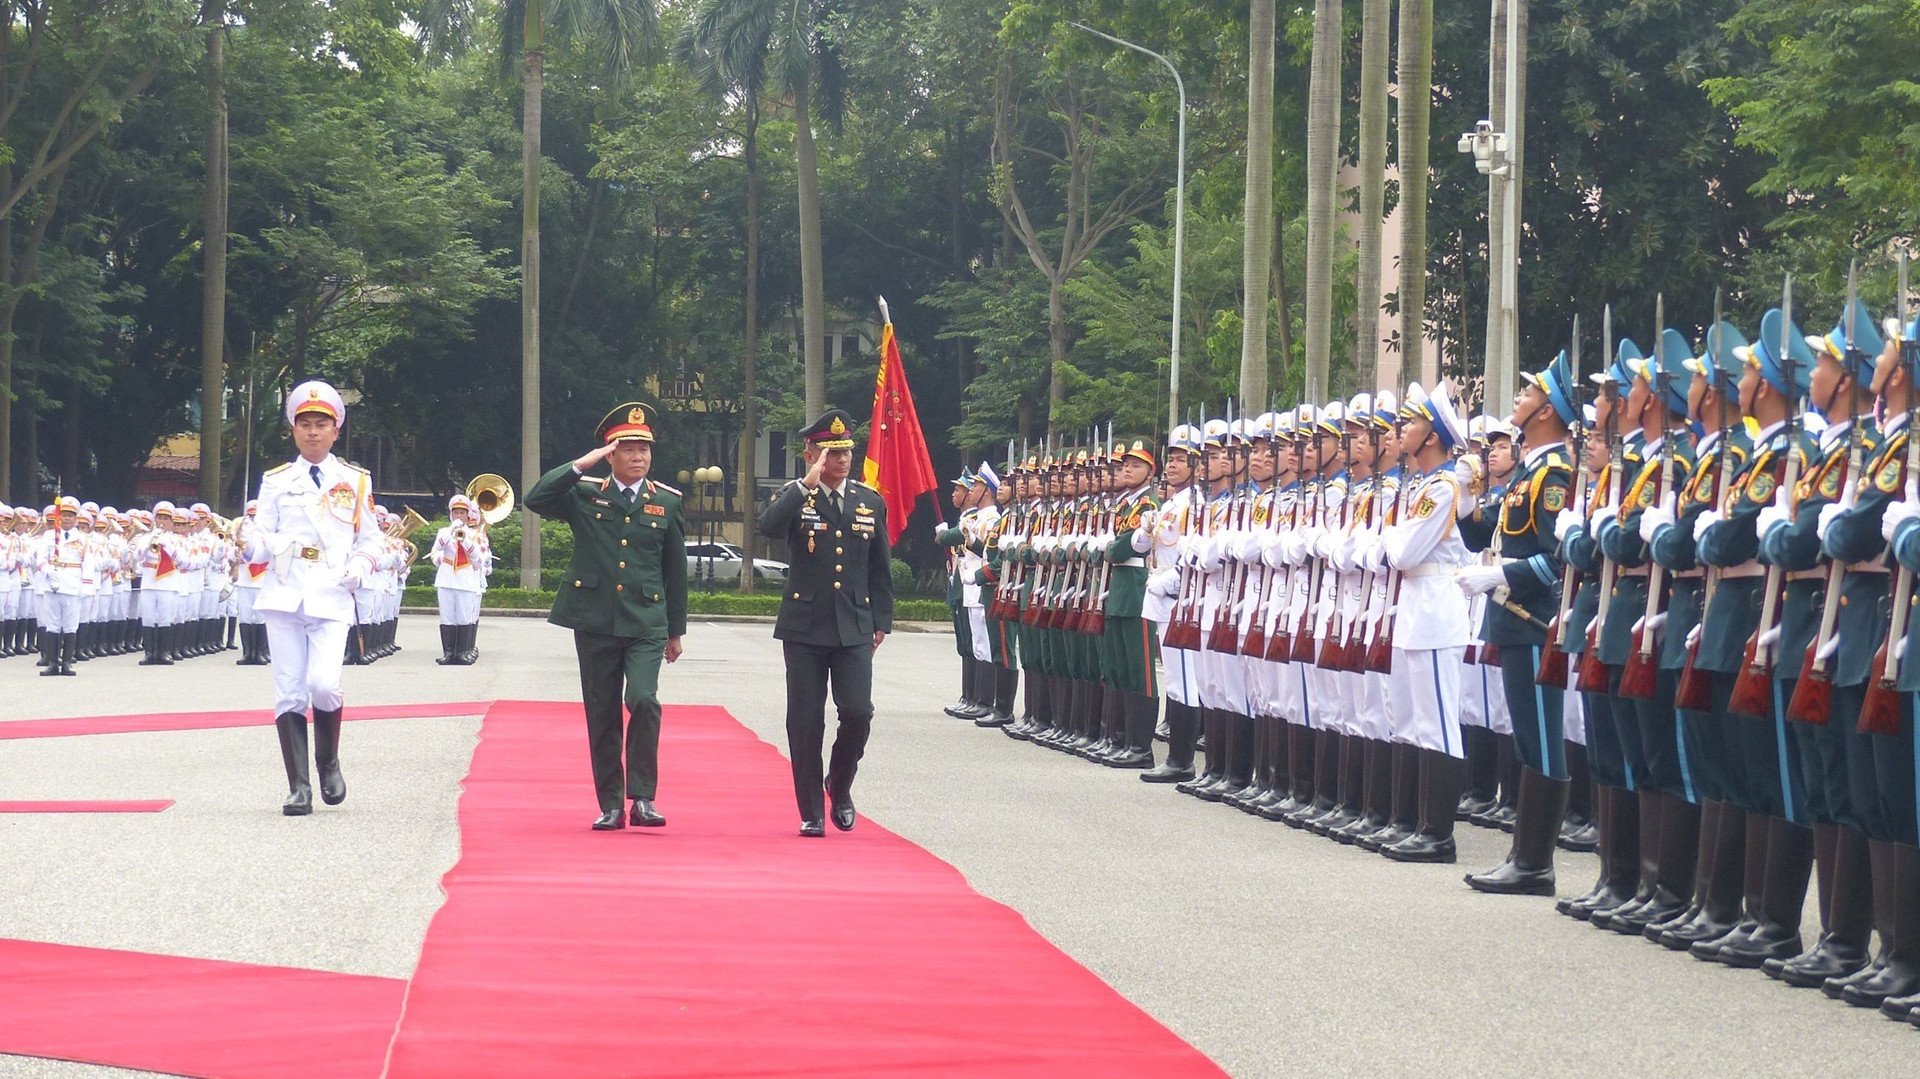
x=721 y=562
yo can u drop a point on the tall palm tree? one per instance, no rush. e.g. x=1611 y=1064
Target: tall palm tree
x=1373 y=187
x=1416 y=108
x=621 y=33
x=784 y=44
x=1323 y=139
x=1257 y=249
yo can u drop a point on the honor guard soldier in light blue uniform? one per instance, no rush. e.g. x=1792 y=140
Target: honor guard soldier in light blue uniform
x=315 y=529
x=1814 y=787
x=1712 y=606
x=1880 y=767
x=1524 y=586
x=836 y=609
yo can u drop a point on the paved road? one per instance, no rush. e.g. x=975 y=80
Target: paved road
x=1275 y=952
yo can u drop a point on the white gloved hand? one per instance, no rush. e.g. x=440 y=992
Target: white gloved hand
x=1827 y=515
x=1476 y=580
x=1768 y=639
x=1693 y=635
x=1706 y=520
x=1828 y=650
x=1564 y=525
x=1771 y=516
x=1896 y=514
x=1246 y=546
x=1164 y=582
x=1372 y=554
x=1214 y=554
x=350 y=577
x=1273 y=546
x=1605 y=515
x=1654 y=518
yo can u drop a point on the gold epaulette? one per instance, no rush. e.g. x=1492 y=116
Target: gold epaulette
x=276 y=471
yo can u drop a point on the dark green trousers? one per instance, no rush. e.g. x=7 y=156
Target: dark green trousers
x=616 y=671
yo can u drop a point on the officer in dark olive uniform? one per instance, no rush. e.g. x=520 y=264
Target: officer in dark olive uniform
x=837 y=608
x=625 y=598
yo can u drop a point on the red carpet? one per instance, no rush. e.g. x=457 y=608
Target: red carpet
x=202 y=721
x=154 y=806
x=726 y=945
x=191 y=1016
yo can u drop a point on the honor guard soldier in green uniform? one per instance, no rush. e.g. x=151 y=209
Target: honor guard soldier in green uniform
x=836 y=609
x=625 y=598
x=1130 y=649
x=1524 y=584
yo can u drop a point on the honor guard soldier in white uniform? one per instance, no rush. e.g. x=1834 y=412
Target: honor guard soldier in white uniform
x=246 y=591
x=462 y=559
x=1161 y=545
x=12 y=558
x=315 y=529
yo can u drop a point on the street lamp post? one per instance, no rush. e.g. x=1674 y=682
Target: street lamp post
x=1179 y=216
x=1493 y=159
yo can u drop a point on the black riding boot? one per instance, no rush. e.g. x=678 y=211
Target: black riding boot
x=1403 y=817
x=326 y=756
x=1006 y=686
x=1441 y=777
x=1528 y=869
x=1846 y=919
x=1376 y=796
x=1727 y=869
x=1785 y=850
x=1896 y=917
x=1183 y=721
x=292 y=727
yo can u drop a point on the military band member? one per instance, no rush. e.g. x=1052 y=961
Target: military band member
x=61 y=562
x=12 y=559
x=836 y=610
x=248 y=576
x=1523 y=585
x=316 y=530
x=462 y=560
x=625 y=598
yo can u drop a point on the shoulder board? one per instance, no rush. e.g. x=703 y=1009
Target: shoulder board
x=276 y=471
x=670 y=490
x=1555 y=459
x=353 y=466
x=862 y=486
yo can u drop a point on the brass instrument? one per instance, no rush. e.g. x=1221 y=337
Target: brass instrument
x=404 y=527
x=493 y=495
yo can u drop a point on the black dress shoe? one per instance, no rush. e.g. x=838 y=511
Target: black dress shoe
x=812 y=829
x=842 y=811
x=645 y=816
x=611 y=821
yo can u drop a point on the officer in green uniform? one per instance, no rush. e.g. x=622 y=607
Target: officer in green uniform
x=625 y=598
x=1525 y=585
x=836 y=608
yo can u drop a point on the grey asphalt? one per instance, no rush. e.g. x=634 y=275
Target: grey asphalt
x=1275 y=952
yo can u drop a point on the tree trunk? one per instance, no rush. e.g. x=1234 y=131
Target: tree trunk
x=213 y=267
x=750 y=427
x=1282 y=299
x=1416 y=109
x=1256 y=255
x=1373 y=195
x=534 y=64
x=1323 y=136
x=9 y=303
x=1056 y=348
x=813 y=296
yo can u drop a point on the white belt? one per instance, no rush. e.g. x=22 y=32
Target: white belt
x=1866 y=567
x=1429 y=569
x=1634 y=571
x=1807 y=575
x=1689 y=574
x=1744 y=569
x=1137 y=561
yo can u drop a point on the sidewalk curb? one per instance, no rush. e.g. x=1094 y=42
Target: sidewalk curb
x=756 y=619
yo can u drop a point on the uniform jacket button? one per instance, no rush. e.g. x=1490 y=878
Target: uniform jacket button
x=839 y=550
x=623 y=565
x=796 y=595
x=576 y=584
x=619 y=588
x=836 y=584
x=623 y=543
x=837 y=569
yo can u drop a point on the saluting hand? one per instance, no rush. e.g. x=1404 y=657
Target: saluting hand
x=594 y=457
x=815 y=472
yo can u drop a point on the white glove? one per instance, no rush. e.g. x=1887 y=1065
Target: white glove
x=350 y=578
x=1706 y=520
x=1827 y=651
x=1164 y=582
x=1273 y=546
x=1693 y=635
x=1475 y=580
x=1601 y=519
x=1340 y=553
x=1326 y=543
x=1246 y=545
x=1564 y=525
x=1372 y=553
x=1214 y=555
x=1654 y=518
x=1896 y=514
x=1768 y=639
x=1143 y=540
x=1828 y=514
x=1771 y=517
x=1651 y=625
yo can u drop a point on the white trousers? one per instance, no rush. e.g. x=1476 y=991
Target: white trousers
x=10 y=603
x=1573 y=713
x=977 y=621
x=1426 y=698
x=243 y=605
x=458 y=607
x=60 y=614
x=308 y=654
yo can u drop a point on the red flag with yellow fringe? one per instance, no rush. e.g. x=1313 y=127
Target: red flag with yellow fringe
x=897 y=463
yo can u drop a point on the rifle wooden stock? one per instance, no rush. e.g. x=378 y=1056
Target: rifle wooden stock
x=1255 y=642
x=1553 y=660
x=1489 y=655
x=1380 y=653
x=1594 y=674
x=1695 y=692
x=1880 y=712
x=1753 y=687
x=1638 y=677
x=1813 y=694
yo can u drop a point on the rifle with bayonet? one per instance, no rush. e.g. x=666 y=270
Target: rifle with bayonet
x=1593 y=672
x=1753 y=687
x=1184 y=630
x=1378 y=655
x=1643 y=662
x=1880 y=714
x=1553 y=657
x=1328 y=657
x=1695 y=690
